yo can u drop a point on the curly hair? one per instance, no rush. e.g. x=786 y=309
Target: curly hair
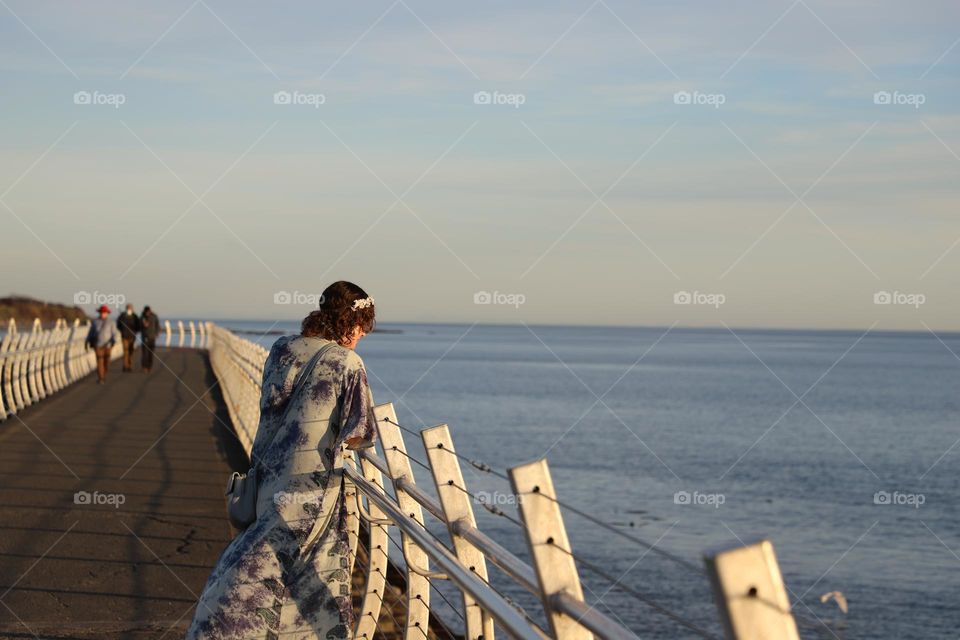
x=336 y=318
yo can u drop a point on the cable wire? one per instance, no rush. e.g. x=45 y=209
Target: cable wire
x=505 y=597
x=636 y=594
x=495 y=510
x=477 y=464
x=433 y=586
x=482 y=466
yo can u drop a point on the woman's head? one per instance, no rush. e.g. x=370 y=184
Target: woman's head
x=346 y=314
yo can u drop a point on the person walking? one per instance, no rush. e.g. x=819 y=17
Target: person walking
x=288 y=574
x=149 y=329
x=101 y=338
x=129 y=325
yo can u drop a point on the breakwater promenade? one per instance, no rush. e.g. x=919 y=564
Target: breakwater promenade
x=112 y=511
x=111 y=503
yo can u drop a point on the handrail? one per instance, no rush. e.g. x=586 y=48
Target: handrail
x=590 y=618
x=506 y=561
x=489 y=599
x=238 y=366
x=38 y=363
x=553 y=578
x=745 y=578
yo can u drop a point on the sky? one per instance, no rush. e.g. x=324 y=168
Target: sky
x=750 y=164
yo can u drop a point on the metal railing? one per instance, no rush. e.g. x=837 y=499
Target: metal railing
x=746 y=580
x=382 y=491
x=37 y=363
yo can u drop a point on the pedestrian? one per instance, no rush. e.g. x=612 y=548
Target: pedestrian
x=149 y=329
x=101 y=338
x=288 y=574
x=129 y=325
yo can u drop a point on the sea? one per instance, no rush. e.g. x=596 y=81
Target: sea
x=840 y=447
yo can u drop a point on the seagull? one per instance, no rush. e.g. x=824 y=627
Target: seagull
x=838 y=596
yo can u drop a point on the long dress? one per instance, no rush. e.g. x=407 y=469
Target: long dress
x=276 y=580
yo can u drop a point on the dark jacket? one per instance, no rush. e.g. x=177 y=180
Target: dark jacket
x=149 y=326
x=129 y=325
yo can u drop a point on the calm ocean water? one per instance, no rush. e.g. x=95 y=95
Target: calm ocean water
x=699 y=413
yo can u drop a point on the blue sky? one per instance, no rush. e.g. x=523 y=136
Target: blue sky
x=785 y=195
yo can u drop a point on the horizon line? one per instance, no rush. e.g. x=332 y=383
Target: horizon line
x=677 y=327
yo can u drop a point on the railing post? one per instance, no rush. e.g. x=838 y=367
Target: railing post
x=549 y=545
x=46 y=385
x=78 y=351
x=193 y=334
x=32 y=362
x=49 y=360
x=458 y=511
x=180 y=331
x=378 y=550
x=69 y=356
x=56 y=346
x=750 y=592
x=166 y=330
x=19 y=388
x=352 y=500
x=65 y=334
x=6 y=363
x=418 y=584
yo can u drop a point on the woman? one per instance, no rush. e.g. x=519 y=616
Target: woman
x=287 y=575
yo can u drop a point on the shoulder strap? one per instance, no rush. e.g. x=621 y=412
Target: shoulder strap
x=302 y=376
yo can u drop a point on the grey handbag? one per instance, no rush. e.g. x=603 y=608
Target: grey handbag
x=242 y=487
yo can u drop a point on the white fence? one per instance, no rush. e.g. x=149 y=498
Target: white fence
x=37 y=363
x=746 y=580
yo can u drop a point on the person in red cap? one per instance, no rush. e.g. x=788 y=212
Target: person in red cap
x=102 y=337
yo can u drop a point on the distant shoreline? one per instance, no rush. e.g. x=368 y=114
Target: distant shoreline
x=281 y=332
x=662 y=328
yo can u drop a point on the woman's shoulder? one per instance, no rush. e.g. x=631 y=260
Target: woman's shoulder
x=301 y=347
x=344 y=360
x=352 y=359
x=281 y=348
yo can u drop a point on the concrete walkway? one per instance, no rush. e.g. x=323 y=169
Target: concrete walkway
x=111 y=503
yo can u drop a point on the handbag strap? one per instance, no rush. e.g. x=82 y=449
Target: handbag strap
x=298 y=384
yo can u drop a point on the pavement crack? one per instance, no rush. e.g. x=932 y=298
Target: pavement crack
x=187 y=539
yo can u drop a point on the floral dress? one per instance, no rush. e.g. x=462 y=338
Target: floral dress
x=288 y=574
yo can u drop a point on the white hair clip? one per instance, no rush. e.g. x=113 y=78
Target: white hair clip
x=363 y=303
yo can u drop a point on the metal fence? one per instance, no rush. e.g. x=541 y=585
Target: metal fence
x=37 y=363
x=382 y=491
x=745 y=578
